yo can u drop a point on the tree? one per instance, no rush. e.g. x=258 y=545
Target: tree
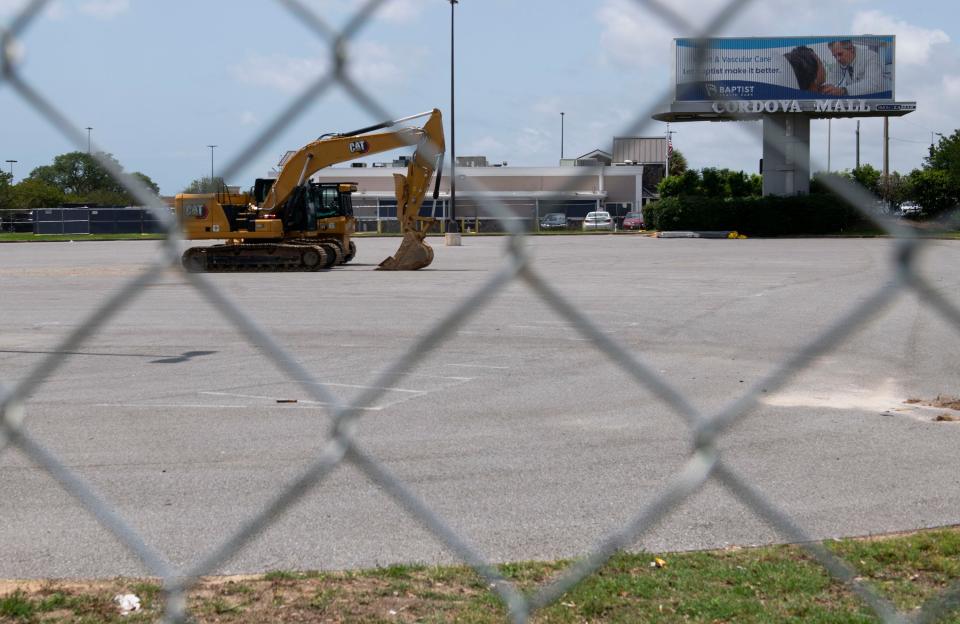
x=147 y=182
x=687 y=183
x=936 y=187
x=81 y=178
x=6 y=191
x=933 y=190
x=677 y=163
x=713 y=183
x=945 y=155
x=203 y=185
x=77 y=174
x=869 y=178
x=31 y=193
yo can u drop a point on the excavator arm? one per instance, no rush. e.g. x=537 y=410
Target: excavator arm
x=427 y=158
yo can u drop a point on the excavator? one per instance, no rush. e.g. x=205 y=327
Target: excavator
x=292 y=224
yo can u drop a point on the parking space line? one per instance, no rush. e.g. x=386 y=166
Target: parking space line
x=340 y=385
x=171 y=405
x=451 y=378
x=374 y=408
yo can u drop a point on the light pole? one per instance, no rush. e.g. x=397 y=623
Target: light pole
x=212 y=188
x=89 y=129
x=562 y=115
x=829 y=142
x=453 y=228
x=10 y=162
x=858 y=144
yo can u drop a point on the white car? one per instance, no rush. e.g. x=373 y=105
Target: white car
x=599 y=220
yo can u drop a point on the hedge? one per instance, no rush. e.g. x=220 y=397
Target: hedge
x=755 y=216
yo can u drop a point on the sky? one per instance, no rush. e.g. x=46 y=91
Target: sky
x=160 y=81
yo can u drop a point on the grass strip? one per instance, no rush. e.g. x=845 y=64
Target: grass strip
x=768 y=584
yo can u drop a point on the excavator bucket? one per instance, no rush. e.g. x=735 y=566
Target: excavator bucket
x=414 y=253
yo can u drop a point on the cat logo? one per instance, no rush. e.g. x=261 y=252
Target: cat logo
x=359 y=147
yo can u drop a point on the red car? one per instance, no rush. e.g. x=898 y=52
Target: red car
x=633 y=221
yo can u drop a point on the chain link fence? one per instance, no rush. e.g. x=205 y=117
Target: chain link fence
x=704 y=463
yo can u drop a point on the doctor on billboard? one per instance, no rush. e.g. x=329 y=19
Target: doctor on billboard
x=785 y=67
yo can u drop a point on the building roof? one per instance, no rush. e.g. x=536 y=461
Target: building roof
x=597 y=153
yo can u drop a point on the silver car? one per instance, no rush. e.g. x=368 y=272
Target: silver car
x=599 y=220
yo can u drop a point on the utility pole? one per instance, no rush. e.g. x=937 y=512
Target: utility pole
x=453 y=228
x=10 y=162
x=886 y=158
x=858 y=144
x=212 y=187
x=88 y=138
x=561 y=135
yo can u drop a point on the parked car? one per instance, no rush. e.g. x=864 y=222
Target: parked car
x=633 y=221
x=599 y=220
x=909 y=209
x=553 y=221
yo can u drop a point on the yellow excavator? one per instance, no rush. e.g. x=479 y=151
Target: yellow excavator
x=292 y=224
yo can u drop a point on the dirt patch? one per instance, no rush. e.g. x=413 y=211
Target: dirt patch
x=941 y=402
x=409 y=596
x=949 y=402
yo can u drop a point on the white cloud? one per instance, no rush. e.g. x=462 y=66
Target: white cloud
x=532 y=141
x=631 y=36
x=550 y=106
x=951 y=85
x=248 y=118
x=371 y=64
x=8 y=7
x=914 y=44
x=485 y=145
x=280 y=72
x=376 y=63
x=401 y=11
x=634 y=35
x=53 y=10
x=105 y=9
x=394 y=11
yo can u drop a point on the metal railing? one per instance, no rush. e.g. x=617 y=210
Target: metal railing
x=705 y=462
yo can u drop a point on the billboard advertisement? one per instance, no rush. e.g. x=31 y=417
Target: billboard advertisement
x=820 y=68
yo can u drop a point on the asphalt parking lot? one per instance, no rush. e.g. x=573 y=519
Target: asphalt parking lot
x=522 y=436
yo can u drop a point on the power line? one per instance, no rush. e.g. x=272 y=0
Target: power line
x=909 y=141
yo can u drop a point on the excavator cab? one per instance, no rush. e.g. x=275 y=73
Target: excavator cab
x=331 y=200
x=312 y=202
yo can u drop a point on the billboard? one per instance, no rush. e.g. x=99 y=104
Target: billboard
x=842 y=67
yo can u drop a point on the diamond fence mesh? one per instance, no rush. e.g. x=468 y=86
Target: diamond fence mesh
x=704 y=463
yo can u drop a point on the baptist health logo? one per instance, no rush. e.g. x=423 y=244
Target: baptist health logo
x=737 y=91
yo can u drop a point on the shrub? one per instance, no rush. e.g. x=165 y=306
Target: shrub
x=755 y=216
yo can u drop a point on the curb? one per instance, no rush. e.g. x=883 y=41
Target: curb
x=706 y=234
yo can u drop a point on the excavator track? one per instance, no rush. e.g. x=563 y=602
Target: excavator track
x=333 y=247
x=250 y=257
x=351 y=253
